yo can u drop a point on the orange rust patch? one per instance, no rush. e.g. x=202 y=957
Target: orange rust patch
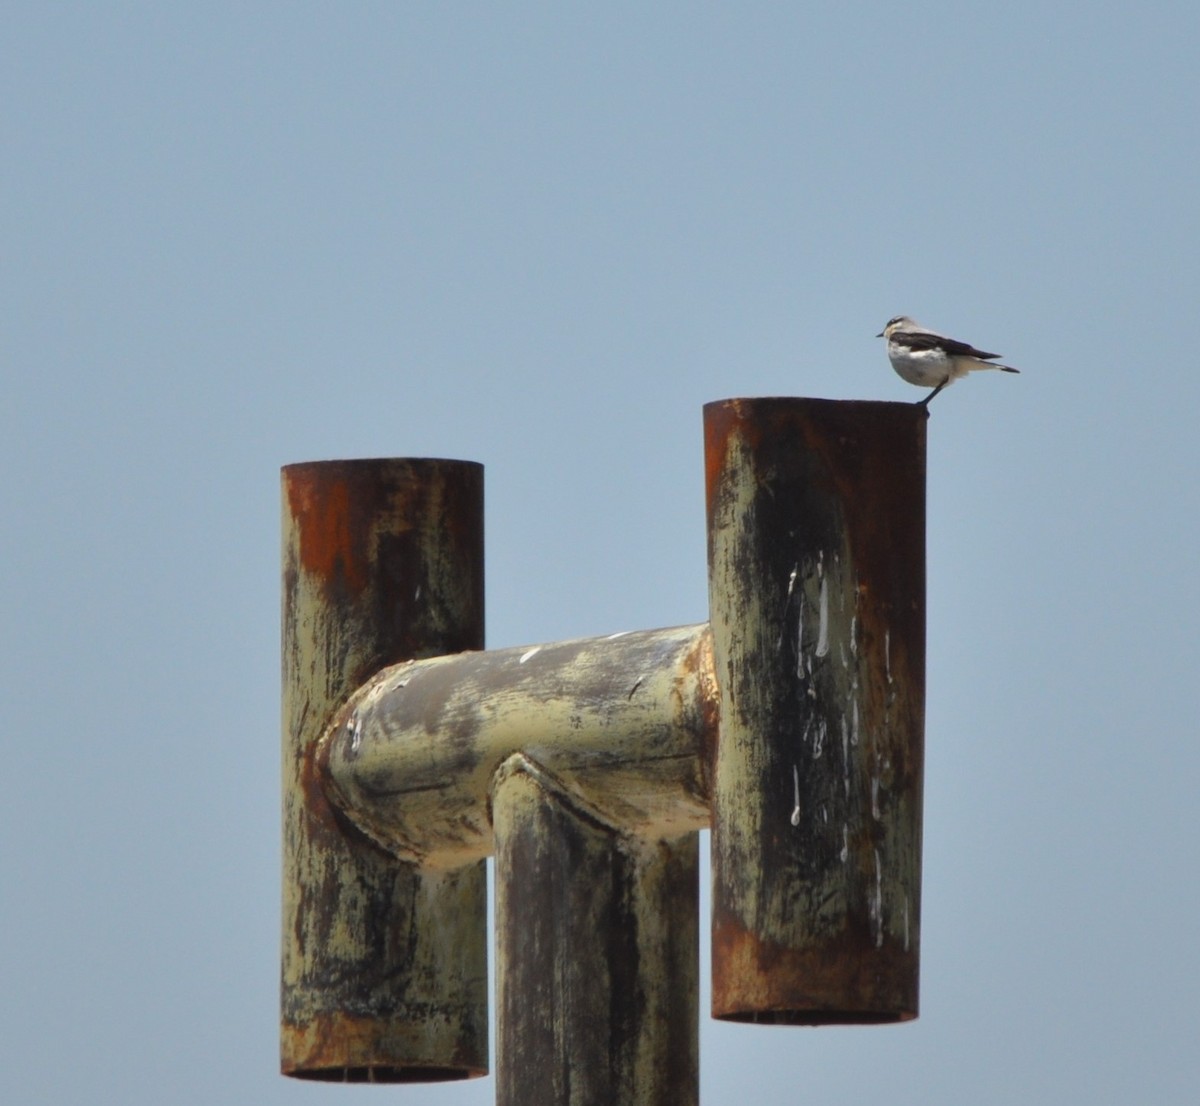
x=752 y=420
x=339 y=1047
x=721 y=419
x=319 y=501
x=838 y=981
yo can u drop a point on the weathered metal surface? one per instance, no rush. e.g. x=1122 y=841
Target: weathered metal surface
x=624 y=722
x=384 y=967
x=816 y=517
x=596 y=972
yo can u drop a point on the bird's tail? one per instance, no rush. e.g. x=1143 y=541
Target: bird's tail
x=974 y=363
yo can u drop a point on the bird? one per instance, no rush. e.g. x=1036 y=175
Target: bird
x=929 y=359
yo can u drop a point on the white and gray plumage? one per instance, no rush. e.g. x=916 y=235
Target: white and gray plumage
x=931 y=360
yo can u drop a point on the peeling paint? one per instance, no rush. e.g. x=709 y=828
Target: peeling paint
x=822 y=682
x=383 y=970
x=419 y=780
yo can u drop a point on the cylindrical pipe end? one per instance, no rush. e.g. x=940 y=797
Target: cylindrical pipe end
x=816 y=535
x=384 y=967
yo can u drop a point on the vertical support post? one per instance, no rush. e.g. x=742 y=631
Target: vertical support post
x=816 y=545
x=384 y=967
x=596 y=970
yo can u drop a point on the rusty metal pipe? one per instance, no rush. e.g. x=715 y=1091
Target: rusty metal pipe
x=816 y=542
x=624 y=722
x=596 y=967
x=384 y=967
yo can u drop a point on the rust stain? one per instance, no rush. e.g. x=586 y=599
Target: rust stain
x=320 y=501
x=700 y=661
x=381 y=557
x=345 y=1048
x=842 y=484
x=840 y=981
x=323 y=817
x=722 y=420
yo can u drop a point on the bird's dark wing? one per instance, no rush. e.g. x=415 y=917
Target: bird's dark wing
x=924 y=339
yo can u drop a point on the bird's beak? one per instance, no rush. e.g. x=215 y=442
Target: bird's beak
x=879 y=335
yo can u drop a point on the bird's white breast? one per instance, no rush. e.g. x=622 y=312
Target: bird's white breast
x=926 y=367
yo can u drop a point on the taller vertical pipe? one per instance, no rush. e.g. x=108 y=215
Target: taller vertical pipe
x=384 y=967
x=816 y=545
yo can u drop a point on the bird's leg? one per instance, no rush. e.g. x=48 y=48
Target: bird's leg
x=925 y=402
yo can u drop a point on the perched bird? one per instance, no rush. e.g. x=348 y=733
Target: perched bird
x=931 y=360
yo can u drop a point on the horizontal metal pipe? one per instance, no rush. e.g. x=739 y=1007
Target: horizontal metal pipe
x=625 y=723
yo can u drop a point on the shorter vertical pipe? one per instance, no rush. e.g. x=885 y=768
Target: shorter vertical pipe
x=816 y=536
x=384 y=967
x=596 y=968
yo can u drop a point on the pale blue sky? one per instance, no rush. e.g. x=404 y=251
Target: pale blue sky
x=541 y=236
